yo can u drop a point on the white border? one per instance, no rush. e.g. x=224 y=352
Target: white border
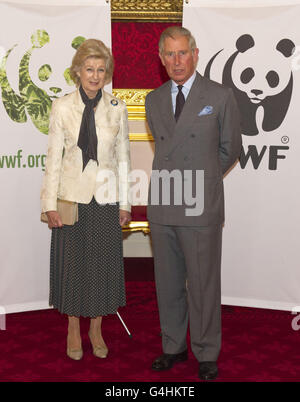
x=32 y=306
x=256 y=303
x=228 y=301
x=59 y=2
x=239 y=3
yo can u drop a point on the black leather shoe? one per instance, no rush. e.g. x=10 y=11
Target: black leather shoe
x=208 y=371
x=166 y=361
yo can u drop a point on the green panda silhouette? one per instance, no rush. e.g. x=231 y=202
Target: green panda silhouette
x=37 y=101
x=32 y=99
x=13 y=103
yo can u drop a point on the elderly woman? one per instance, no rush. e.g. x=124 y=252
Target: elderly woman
x=88 y=137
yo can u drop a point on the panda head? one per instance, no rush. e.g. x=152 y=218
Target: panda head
x=262 y=72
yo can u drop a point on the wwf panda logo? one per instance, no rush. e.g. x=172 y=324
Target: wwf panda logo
x=265 y=81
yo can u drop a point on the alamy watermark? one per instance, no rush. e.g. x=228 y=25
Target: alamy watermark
x=188 y=188
x=174 y=187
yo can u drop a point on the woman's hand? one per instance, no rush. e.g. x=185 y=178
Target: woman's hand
x=54 y=220
x=125 y=217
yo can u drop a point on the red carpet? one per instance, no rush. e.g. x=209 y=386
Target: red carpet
x=258 y=345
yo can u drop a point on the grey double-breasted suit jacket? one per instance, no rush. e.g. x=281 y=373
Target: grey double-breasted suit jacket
x=207 y=137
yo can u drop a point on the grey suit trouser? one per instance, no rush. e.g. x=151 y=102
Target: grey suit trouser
x=187 y=264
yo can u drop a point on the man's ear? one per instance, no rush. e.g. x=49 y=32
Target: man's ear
x=161 y=59
x=196 y=56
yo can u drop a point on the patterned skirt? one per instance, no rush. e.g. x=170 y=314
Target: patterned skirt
x=86 y=263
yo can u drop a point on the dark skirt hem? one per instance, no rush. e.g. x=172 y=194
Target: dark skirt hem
x=85 y=315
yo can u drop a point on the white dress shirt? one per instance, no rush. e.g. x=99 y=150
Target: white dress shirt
x=185 y=89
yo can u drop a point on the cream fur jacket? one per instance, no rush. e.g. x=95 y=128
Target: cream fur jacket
x=64 y=178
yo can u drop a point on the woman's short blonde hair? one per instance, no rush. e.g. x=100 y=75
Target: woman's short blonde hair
x=92 y=48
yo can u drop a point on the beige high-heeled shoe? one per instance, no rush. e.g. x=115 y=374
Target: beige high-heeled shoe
x=75 y=354
x=99 y=351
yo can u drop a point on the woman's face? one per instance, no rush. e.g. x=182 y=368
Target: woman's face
x=92 y=76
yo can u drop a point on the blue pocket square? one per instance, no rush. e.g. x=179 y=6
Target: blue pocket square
x=206 y=110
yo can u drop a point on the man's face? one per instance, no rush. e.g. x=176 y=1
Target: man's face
x=179 y=60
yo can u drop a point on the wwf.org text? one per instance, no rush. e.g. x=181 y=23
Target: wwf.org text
x=18 y=160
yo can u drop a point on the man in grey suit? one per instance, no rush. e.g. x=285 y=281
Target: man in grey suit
x=196 y=127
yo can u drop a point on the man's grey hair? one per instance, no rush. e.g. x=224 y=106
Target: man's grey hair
x=173 y=32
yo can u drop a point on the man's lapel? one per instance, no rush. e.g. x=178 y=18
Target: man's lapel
x=193 y=104
x=166 y=109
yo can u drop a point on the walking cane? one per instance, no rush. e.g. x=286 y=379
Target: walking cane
x=120 y=318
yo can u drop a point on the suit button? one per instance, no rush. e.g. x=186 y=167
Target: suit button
x=193 y=135
x=162 y=137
